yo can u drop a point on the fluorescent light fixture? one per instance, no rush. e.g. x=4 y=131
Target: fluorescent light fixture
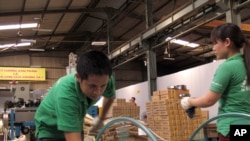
x=42 y=30
x=14 y=45
x=17 y=26
x=36 y=49
x=98 y=43
x=1 y=122
x=193 y=45
x=28 y=40
x=182 y=42
x=168 y=39
x=35 y=66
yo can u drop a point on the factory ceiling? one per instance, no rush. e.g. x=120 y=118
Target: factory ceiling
x=130 y=28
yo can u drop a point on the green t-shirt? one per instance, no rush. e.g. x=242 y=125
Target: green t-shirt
x=65 y=107
x=230 y=81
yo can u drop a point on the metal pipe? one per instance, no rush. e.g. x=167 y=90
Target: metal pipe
x=128 y=60
x=160 y=26
x=127 y=119
x=217 y=117
x=164 y=42
x=240 y=6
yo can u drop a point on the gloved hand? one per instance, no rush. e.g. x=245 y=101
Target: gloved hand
x=185 y=104
x=190 y=110
x=96 y=126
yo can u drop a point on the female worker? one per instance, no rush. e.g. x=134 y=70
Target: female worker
x=230 y=85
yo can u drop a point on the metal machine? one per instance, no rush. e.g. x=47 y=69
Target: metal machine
x=19 y=112
x=21 y=91
x=19 y=121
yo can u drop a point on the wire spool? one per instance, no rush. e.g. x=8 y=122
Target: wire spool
x=122 y=133
x=29 y=103
x=37 y=102
x=127 y=119
x=25 y=130
x=8 y=104
x=20 y=102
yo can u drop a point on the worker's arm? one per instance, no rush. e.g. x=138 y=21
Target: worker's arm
x=209 y=99
x=73 y=136
x=107 y=102
x=98 y=122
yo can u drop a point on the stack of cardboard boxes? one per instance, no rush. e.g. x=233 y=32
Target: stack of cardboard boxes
x=121 y=108
x=122 y=132
x=167 y=119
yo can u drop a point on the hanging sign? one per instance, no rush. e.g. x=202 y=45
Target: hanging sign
x=15 y=73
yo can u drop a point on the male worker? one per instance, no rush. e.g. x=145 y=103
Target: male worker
x=132 y=100
x=60 y=115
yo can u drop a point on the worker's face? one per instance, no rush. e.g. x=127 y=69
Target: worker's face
x=94 y=86
x=132 y=100
x=221 y=48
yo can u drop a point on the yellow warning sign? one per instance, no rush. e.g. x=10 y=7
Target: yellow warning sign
x=15 y=73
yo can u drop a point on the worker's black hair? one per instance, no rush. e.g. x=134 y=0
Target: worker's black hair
x=234 y=33
x=93 y=63
x=133 y=98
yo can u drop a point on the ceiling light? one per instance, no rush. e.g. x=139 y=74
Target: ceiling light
x=168 y=39
x=28 y=40
x=166 y=51
x=169 y=58
x=15 y=45
x=42 y=30
x=193 y=45
x=36 y=49
x=178 y=41
x=17 y=26
x=98 y=43
x=182 y=42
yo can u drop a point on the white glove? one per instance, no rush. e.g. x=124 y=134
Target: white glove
x=96 y=126
x=185 y=104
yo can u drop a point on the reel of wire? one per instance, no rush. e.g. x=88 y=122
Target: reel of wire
x=122 y=133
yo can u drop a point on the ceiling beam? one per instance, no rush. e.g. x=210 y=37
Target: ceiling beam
x=80 y=34
x=157 y=28
x=59 y=11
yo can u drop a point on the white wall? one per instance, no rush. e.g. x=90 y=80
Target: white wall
x=196 y=79
x=139 y=91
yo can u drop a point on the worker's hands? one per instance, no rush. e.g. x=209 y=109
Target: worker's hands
x=190 y=110
x=185 y=103
x=96 y=126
